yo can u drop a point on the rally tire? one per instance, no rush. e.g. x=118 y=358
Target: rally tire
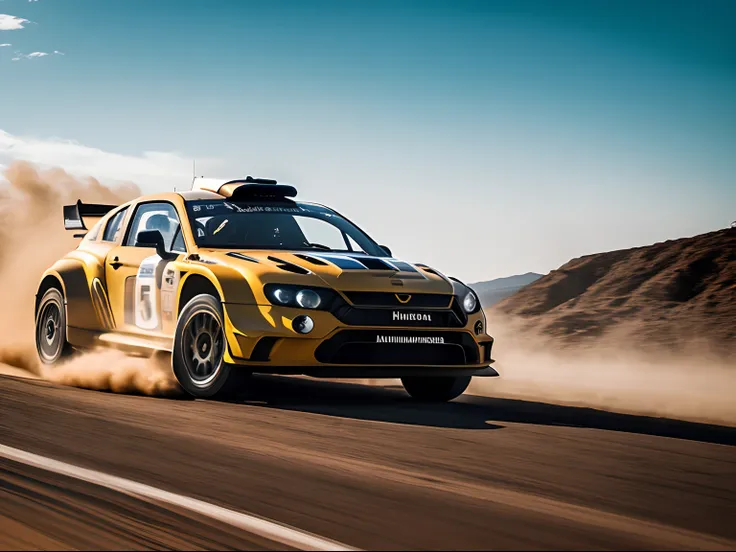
x=51 y=343
x=435 y=389
x=199 y=349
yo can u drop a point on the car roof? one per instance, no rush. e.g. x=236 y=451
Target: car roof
x=199 y=194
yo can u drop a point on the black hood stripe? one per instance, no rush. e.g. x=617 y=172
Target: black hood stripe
x=374 y=263
x=402 y=266
x=359 y=262
x=346 y=263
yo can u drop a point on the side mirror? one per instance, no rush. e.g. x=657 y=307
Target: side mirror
x=386 y=250
x=153 y=238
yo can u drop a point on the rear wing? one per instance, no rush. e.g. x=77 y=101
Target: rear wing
x=74 y=215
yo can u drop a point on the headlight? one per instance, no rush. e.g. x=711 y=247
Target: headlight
x=283 y=295
x=308 y=299
x=470 y=302
x=304 y=297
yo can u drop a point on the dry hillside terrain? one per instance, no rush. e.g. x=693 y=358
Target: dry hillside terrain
x=674 y=294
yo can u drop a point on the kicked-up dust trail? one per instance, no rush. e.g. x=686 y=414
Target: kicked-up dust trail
x=32 y=238
x=695 y=385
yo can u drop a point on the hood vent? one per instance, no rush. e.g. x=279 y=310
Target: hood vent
x=425 y=268
x=430 y=270
x=310 y=259
x=241 y=257
x=287 y=266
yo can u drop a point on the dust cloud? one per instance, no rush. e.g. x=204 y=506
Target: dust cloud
x=695 y=385
x=114 y=371
x=32 y=238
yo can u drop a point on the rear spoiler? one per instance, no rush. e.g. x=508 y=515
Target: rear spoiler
x=74 y=215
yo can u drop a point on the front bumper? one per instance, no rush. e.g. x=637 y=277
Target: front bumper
x=261 y=337
x=375 y=372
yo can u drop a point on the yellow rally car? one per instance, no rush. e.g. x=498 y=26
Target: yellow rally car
x=234 y=278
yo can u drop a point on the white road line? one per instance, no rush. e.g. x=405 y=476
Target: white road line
x=282 y=534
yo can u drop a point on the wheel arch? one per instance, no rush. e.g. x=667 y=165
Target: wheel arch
x=49 y=280
x=193 y=285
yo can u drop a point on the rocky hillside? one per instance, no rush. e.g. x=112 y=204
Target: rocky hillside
x=669 y=293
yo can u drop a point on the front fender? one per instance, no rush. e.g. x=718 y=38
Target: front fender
x=230 y=284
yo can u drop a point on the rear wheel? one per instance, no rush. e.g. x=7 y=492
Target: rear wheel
x=51 y=342
x=199 y=348
x=435 y=389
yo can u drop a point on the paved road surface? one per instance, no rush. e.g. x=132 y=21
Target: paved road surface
x=362 y=466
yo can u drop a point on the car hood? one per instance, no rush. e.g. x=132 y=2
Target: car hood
x=340 y=271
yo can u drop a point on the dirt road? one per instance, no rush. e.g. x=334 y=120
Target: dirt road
x=362 y=466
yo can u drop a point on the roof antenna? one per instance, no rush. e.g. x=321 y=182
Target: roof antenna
x=194 y=172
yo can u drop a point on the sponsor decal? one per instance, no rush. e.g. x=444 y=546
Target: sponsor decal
x=410 y=339
x=150 y=295
x=168 y=292
x=399 y=316
x=198 y=208
x=145 y=300
x=267 y=209
x=203 y=260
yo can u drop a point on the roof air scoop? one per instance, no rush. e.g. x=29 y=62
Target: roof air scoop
x=257 y=191
x=248 y=188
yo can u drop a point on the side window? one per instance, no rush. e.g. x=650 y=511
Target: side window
x=178 y=244
x=114 y=225
x=94 y=233
x=354 y=245
x=159 y=216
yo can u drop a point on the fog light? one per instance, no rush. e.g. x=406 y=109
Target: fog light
x=302 y=324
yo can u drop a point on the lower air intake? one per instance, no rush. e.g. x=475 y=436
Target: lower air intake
x=371 y=347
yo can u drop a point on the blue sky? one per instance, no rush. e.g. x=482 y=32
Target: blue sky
x=484 y=138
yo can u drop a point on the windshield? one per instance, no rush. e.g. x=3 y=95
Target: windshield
x=292 y=226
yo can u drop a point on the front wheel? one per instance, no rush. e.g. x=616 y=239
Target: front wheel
x=435 y=389
x=199 y=348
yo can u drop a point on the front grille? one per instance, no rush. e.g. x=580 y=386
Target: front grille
x=386 y=299
x=404 y=348
x=397 y=317
x=459 y=312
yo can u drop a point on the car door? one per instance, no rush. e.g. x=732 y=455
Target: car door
x=134 y=273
